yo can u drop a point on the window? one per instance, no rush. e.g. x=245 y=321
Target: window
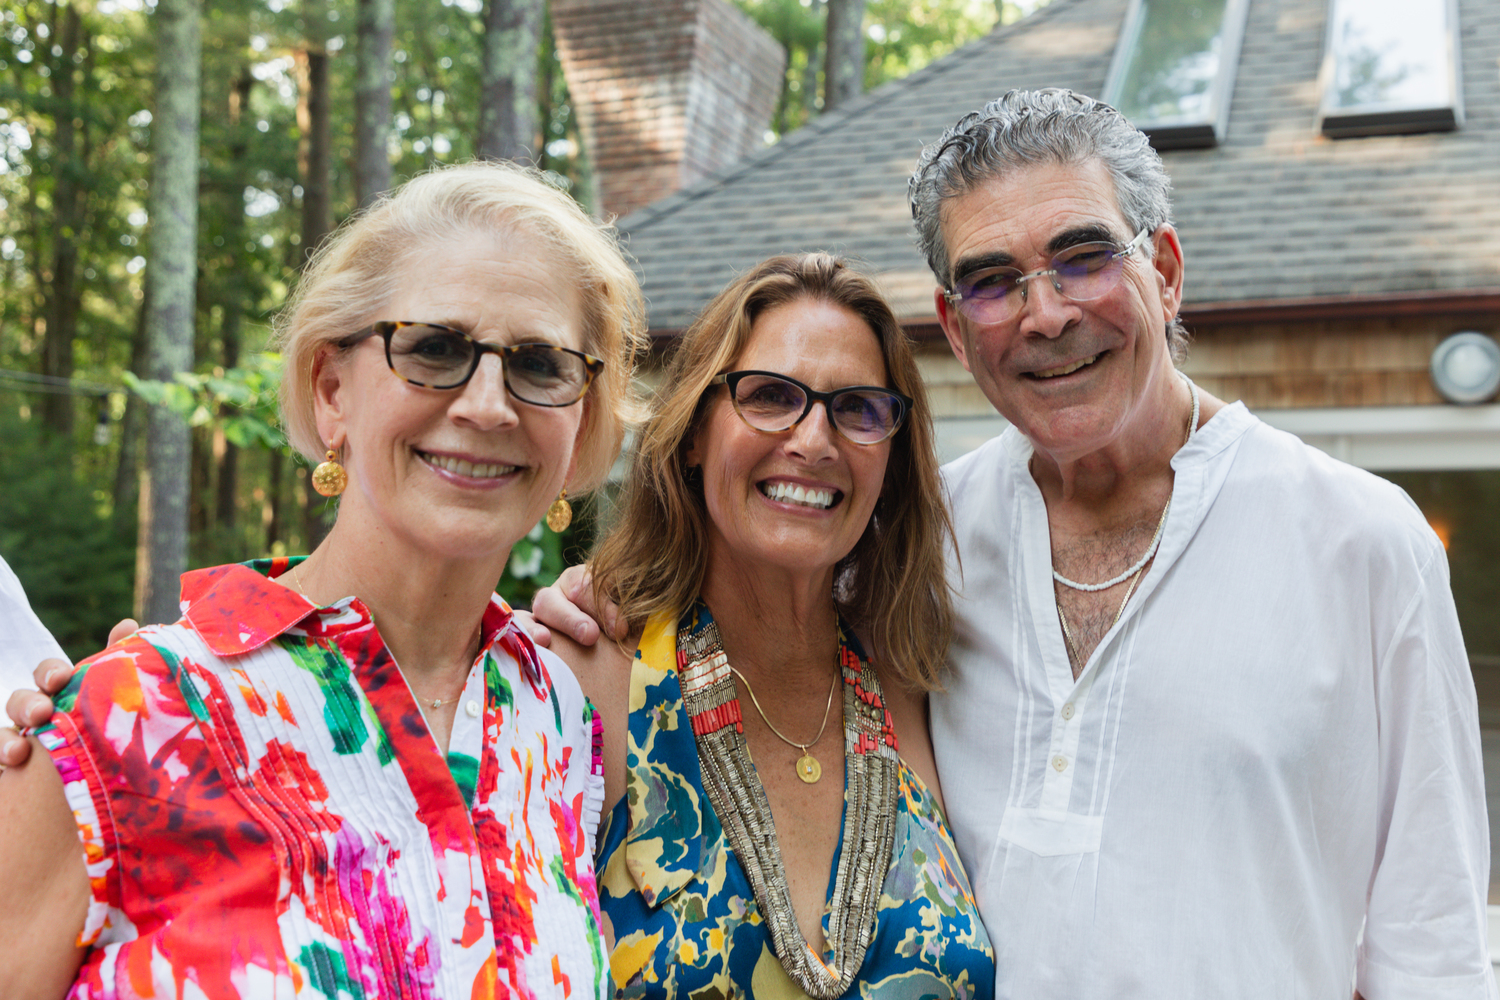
x=1173 y=71
x=1391 y=66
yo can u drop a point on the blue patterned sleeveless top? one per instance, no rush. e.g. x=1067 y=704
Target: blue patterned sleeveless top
x=685 y=918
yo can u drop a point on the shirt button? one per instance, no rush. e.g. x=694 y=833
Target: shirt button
x=1067 y=711
x=1060 y=763
x=472 y=707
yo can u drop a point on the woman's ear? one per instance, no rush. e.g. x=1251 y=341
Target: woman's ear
x=329 y=377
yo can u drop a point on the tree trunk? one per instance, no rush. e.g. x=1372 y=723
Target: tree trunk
x=58 y=409
x=844 y=70
x=238 y=299
x=171 y=280
x=507 y=80
x=375 y=26
x=272 y=511
x=127 y=471
x=314 y=148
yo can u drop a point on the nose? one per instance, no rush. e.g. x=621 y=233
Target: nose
x=812 y=440
x=1044 y=308
x=484 y=403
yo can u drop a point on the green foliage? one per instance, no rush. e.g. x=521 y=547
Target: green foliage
x=241 y=402
x=901 y=36
x=76 y=563
x=535 y=562
x=76 y=114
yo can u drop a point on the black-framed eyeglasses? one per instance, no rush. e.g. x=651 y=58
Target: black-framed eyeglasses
x=434 y=356
x=771 y=402
x=1082 y=272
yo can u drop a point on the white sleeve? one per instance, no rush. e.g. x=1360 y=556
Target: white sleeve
x=24 y=640
x=1425 y=927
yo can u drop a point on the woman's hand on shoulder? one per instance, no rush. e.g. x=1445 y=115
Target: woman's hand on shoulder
x=567 y=608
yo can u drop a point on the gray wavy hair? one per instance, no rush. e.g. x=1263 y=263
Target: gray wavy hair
x=1028 y=128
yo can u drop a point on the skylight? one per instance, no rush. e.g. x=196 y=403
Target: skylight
x=1173 y=70
x=1391 y=66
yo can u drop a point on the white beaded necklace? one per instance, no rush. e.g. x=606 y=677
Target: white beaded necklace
x=1155 y=539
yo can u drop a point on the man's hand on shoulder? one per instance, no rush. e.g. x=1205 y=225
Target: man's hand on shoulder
x=32 y=708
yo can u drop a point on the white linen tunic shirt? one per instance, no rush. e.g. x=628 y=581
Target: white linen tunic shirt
x=24 y=640
x=1266 y=782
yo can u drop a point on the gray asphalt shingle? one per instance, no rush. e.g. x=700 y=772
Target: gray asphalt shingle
x=1275 y=212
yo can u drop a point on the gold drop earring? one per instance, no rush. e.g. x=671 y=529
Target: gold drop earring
x=329 y=478
x=560 y=514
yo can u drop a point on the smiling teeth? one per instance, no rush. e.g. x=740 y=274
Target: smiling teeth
x=791 y=493
x=472 y=470
x=1065 y=369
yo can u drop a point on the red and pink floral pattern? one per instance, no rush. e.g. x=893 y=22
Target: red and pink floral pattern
x=264 y=812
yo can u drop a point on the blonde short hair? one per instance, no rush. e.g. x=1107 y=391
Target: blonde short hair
x=354 y=273
x=892 y=586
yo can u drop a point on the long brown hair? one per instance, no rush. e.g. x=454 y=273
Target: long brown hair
x=891 y=586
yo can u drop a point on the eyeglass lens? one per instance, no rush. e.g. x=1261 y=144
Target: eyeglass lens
x=1080 y=273
x=864 y=416
x=445 y=359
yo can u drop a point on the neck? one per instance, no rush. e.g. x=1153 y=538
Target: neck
x=1133 y=463
x=428 y=609
x=775 y=624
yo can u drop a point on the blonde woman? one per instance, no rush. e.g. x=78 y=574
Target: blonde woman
x=351 y=774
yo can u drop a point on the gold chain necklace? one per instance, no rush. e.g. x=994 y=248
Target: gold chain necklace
x=1068 y=632
x=808 y=768
x=1139 y=568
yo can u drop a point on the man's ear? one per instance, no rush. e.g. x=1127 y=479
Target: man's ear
x=329 y=385
x=1168 y=266
x=949 y=321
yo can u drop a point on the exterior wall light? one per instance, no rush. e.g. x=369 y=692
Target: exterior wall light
x=1466 y=368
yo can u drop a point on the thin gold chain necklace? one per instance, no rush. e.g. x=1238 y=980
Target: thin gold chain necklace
x=808 y=768
x=1135 y=572
x=435 y=703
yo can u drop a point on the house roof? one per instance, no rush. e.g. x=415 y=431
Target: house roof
x=1276 y=213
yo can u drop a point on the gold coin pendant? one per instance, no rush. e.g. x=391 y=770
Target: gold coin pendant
x=808 y=768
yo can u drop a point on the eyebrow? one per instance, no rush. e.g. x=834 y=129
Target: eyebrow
x=528 y=337
x=1090 y=232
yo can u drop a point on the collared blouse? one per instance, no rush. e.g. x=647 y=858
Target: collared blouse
x=264 y=812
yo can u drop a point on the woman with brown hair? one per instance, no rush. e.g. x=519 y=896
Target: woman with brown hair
x=783 y=517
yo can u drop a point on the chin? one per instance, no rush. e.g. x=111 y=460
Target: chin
x=470 y=539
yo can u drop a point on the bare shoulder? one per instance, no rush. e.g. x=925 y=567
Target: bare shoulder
x=908 y=707
x=603 y=671
x=44 y=887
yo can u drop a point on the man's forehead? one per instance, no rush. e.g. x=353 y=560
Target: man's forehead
x=1038 y=208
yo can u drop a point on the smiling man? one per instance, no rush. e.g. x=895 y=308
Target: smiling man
x=1210 y=730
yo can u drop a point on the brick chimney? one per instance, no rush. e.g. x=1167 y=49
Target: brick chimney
x=666 y=91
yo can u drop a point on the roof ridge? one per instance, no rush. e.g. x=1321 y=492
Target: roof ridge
x=830 y=120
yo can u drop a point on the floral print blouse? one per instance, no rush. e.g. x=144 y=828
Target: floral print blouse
x=265 y=814
x=685 y=918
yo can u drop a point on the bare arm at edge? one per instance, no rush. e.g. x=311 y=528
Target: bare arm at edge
x=44 y=887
